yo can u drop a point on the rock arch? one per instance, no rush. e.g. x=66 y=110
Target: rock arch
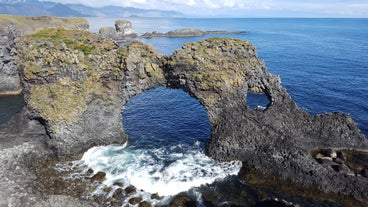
x=78 y=89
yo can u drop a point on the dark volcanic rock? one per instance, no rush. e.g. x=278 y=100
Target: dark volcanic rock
x=277 y=141
x=130 y=190
x=144 y=204
x=118 y=194
x=99 y=176
x=135 y=200
x=274 y=203
x=183 y=201
x=84 y=100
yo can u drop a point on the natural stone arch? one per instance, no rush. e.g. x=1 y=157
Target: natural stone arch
x=100 y=77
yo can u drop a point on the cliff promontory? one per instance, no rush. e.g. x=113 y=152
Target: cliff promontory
x=76 y=85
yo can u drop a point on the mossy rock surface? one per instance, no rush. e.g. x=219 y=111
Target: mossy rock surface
x=69 y=76
x=66 y=69
x=214 y=66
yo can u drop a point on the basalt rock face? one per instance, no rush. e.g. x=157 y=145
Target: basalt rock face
x=12 y=27
x=274 y=143
x=76 y=85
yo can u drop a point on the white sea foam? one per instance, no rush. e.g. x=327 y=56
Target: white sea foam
x=163 y=171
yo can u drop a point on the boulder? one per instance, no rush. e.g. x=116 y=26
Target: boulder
x=99 y=176
x=108 y=33
x=135 y=200
x=118 y=194
x=144 y=204
x=130 y=190
x=182 y=200
x=124 y=28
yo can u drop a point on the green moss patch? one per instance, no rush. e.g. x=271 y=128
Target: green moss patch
x=64 y=70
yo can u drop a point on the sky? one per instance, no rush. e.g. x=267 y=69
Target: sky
x=245 y=8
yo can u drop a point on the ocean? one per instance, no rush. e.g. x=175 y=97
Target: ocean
x=323 y=64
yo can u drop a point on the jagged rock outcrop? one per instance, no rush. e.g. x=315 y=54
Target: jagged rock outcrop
x=76 y=85
x=12 y=27
x=275 y=144
x=187 y=32
x=123 y=30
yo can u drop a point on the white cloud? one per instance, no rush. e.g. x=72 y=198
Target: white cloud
x=191 y=2
x=210 y=4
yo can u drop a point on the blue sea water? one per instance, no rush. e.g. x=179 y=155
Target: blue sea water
x=323 y=63
x=167 y=132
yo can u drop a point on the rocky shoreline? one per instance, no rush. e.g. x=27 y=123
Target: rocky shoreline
x=188 y=32
x=76 y=84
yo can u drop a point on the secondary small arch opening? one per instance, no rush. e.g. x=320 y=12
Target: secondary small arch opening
x=257 y=100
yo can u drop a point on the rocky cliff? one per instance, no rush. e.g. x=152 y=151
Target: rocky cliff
x=76 y=85
x=276 y=145
x=12 y=27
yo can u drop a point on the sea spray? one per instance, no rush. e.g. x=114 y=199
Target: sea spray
x=167 y=131
x=157 y=171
